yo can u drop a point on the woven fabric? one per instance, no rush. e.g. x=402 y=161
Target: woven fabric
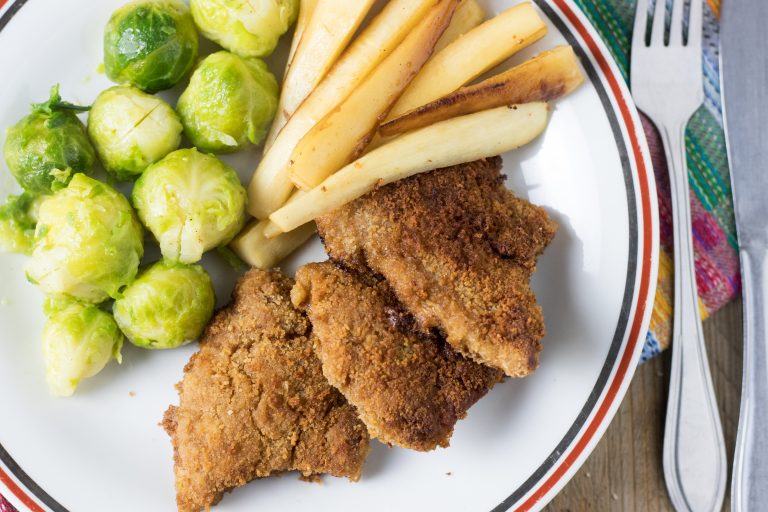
x=714 y=231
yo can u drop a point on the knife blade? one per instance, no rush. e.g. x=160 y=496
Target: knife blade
x=744 y=73
x=744 y=68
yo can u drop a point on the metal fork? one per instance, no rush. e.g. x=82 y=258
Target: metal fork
x=667 y=85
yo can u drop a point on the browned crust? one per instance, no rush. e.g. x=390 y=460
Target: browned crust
x=458 y=249
x=253 y=401
x=409 y=388
x=546 y=77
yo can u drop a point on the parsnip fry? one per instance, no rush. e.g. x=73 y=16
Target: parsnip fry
x=327 y=34
x=272 y=230
x=476 y=52
x=451 y=142
x=306 y=9
x=468 y=15
x=546 y=77
x=344 y=133
x=261 y=252
x=271 y=184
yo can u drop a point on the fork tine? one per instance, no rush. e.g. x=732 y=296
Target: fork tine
x=696 y=23
x=641 y=24
x=676 y=25
x=659 y=22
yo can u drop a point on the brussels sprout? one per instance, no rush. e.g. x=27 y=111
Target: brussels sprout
x=151 y=44
x=229 y=101
x=167 y=306
x=245 y=27
x=191 y=202
x=88 y=242
x=78 y=341
x=18 y=217
x=131 y=130
x=47 y=147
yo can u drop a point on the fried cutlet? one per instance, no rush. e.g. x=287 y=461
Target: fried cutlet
x=254 y=402
x=410 y=388
x=458 y=249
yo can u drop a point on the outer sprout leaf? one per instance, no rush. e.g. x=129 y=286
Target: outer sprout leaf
x=18 y=217
x=55 y=103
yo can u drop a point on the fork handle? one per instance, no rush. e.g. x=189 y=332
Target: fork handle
x=750 y=466
x=694 y=450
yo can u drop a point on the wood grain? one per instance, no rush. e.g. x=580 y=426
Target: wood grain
x=625 y=471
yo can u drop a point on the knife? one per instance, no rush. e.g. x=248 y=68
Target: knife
x=744 y=69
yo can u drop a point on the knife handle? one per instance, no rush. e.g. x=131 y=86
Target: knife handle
x=695 y=468
x=750 y=465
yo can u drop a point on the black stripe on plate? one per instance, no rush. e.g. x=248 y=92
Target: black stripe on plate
x=629 y=287
x=30 y=484
x=12 y=10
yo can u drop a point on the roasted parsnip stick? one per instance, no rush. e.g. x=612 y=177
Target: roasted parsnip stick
x=546 y=77
x=271 y=184
x=344 y=133
x=257 y=250
x=451 y=142
x=476 y=52
x=326 y=35
x=468 y=15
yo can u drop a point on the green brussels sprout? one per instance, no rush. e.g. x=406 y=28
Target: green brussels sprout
x=47 y=147
x=79 y=339
x=150 y=44
x=132 y=129
x=88 y=242
x=167 y=306
x=18 y=217
x=229 y=101
x=245 y=27
x=191 y=202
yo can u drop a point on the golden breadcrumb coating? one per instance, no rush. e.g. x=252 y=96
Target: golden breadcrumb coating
x=253 y=401
x=409 y=388
x=458 y=249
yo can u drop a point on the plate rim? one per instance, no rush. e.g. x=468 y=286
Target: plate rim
x=624 y=354
x=570 y=454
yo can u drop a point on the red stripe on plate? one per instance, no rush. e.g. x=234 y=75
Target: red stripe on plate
x=2 y=3
x=6 y=480
x=645 y=279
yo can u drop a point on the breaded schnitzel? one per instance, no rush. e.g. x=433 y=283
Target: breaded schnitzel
x=254 y=401
x=458 y=249
x=409 y=388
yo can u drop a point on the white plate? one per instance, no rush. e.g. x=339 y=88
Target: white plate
x=102 y=450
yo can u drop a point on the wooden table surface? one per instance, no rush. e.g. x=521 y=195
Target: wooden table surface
x=624 y=473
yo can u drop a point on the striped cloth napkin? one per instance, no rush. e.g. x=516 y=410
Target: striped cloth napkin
x=5 y=506
x=714 y=230
x=717 y=261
